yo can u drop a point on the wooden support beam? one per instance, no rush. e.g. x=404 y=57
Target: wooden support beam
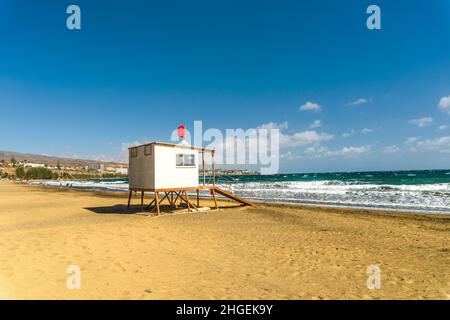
x=198 y=198
x=213 y=167
x=187 y=201
x=151 y=203
x=163 y=198
x=129 y=200
x=171 y=200
x=168 y=197
x=191 y=203
x=154 y=201
x=213 y=193
x=181 y=198
x=157 y=203
x=185 y=198
x=175 y=201
x=203 y=167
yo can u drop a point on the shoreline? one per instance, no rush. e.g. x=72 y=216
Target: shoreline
x=363 y=208
x=270 y=203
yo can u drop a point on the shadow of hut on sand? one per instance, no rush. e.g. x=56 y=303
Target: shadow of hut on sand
x=134 y=209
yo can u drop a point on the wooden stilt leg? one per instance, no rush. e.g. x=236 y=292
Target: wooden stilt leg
x=213 y=193
x=129 y=200
x=187 y=201
x=157 y=203
x=176 y=198
x=142 y=200
x=198 y=198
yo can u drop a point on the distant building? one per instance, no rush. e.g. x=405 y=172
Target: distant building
x=122 y=170
x=34 y=165
x=96 y=167
x=233 y=172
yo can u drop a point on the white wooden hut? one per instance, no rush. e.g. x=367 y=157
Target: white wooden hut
x=161 y=166
x=173 y=170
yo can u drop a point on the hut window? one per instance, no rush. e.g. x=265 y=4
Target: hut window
x=148 y=150
x=185 y=160
x=134 y=152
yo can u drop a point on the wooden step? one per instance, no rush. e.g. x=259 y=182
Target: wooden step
x=234 y=197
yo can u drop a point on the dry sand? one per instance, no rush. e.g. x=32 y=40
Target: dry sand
x=271 y=252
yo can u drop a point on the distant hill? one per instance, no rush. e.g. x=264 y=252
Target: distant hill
x=53 y=161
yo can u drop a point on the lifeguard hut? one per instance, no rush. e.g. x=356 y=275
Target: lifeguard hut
x=172 y=170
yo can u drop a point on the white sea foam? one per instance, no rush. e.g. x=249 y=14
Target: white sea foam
x=88 y=184
x=425 y=197
x=435 y=197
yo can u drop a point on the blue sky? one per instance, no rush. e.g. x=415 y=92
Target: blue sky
x=137 y=69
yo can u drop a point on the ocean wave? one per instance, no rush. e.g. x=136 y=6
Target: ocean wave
x=422 y=197
x=87 y=184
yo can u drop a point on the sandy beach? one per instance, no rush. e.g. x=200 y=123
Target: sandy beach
x=269 y=252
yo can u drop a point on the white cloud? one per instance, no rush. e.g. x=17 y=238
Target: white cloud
x=287 y=140
x=311 y=106
x=441 y=144
x=315 y=124
x=412 y=140
x=304 y=138
x=349 y=152
x=444 y=104
x=366 y=131
x=299 y=138
x=421 y=122
x=286 y=155
x=442 y=127
x=391 y=149
x=348 y=134
x=274 y=125
x=358 y=102
x=354 y=151
x=289 y=156
x=317 y=152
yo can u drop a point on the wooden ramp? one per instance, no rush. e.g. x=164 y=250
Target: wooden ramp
x=232 y=196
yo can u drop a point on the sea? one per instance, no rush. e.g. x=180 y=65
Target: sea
x=416 y=191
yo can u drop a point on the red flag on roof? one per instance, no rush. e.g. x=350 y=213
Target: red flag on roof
x=182 y=132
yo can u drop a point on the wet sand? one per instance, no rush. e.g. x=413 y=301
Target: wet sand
x=269 y=252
